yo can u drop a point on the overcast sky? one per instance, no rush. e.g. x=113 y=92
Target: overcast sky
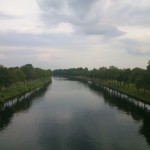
x=73 y=33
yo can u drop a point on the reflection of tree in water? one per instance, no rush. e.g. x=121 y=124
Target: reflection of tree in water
x=145 y=128
x=133 y=108
x=5 y=117
x=70 y=134
x=20 y=104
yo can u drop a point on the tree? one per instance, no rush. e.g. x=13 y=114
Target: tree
x=126 y=75
x=136 y=73
x=148 y=66
x=4 y=77
x=16 y=75
x=28 y=71
x=147 y=75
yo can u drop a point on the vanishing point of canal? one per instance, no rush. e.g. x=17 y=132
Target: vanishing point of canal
x=72 y=115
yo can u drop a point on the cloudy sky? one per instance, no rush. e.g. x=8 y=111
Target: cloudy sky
x=73 y=33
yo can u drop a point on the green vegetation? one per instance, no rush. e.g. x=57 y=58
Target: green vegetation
x=18 y=80
x=130 y=89
x=134 y=82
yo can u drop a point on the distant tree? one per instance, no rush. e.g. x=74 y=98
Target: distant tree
x=147 y=76
x=28 y=71
x=16 y=75
x=102 y=73
x=137 y=76
x=126 y=75
x=4 y=77
x=148 y=66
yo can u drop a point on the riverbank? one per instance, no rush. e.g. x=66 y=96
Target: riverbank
x=22 y=88
x=129 y=90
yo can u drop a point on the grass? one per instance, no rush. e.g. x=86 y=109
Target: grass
x=129 y=90
x=132 y=91
x=21 y=88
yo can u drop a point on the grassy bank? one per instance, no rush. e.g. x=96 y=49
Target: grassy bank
x=126 y=89
x=21 y=88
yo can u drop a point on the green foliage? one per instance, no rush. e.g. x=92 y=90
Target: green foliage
x=148 y=66
x=138 y=77
x=15 y=75
x=4 y=77
x=32 y=73
x=22 y=88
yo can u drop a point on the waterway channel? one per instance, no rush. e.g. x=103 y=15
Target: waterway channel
x=74 y=115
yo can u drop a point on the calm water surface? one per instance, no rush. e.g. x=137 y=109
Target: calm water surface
x=71 y=115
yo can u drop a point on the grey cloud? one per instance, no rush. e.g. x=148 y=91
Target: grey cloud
x=135 y=47
x=106 y=30
x=18 y=39
x=81 y=8
x=128 y=13
x=34 y=40
x=50 y=4
x=6 y=16
x=135 y=50
x=67 y=7
x=88 y=16
x=53 y=10
x=18 y=51
x=140 y=16
x=84 y=16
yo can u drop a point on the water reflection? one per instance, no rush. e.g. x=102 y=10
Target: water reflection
x=18 y=104
x=75 y=116
x=68 y=135
x=145 y=128
x=138 y=110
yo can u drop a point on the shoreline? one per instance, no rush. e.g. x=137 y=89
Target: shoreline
x=147 y=101
x=17 y=91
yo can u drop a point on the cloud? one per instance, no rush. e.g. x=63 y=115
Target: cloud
x=39 y=56
x=6 y=16
x=2 y=56
x=13 y=38
x=96 y=17
x=71 y=33
x=70 y=42
x=85 y=17
x=17 y=39
x=101 y=29
x=129 y=12
x=136 y=46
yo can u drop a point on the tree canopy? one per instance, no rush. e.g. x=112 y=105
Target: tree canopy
x=137 y=76
x=13 y=75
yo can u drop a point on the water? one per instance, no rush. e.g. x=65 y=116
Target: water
x=71 y=115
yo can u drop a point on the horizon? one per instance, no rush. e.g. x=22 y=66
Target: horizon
x=74 y=67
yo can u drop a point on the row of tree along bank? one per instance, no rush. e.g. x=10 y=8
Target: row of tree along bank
x=135 y=82
x=17 y=80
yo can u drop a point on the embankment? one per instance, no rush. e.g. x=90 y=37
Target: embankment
x=22 y=88
x=128 y=90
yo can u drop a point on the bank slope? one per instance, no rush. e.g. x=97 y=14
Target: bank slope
x=129 y=90
x=22 y=88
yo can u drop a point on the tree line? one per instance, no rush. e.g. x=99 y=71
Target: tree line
x=136 y=76
x=15 y=75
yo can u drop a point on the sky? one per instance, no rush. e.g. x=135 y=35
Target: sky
x=73 y=33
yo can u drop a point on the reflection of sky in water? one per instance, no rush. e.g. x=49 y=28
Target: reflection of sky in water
x=71 y=116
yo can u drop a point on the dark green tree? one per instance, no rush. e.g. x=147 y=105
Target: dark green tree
x=4 y=77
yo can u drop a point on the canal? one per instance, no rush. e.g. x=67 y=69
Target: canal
x=73 y=115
